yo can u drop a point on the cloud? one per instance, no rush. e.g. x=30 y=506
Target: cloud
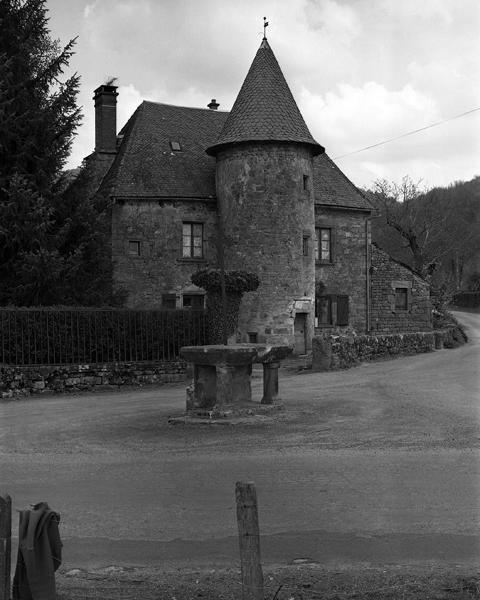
x=353 y=116
x=89 y=9
x=360 y=71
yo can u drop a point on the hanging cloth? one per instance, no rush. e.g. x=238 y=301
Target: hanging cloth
x=39 y=554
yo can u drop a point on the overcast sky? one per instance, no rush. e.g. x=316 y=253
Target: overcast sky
x=361 y=71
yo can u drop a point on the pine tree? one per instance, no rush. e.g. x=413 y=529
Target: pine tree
x=38 y=119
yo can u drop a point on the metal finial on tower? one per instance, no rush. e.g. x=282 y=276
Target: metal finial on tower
x=265 y=25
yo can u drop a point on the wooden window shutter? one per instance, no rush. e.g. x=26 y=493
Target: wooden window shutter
x=342 y=310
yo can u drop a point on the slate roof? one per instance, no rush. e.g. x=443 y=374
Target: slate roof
x=147 y=166
x=331 y=187
x=265 y=109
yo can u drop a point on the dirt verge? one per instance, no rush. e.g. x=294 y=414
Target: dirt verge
x=305 y=581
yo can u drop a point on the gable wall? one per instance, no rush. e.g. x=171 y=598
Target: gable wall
x=347 y=274
x=385 y=277
x=160 y=267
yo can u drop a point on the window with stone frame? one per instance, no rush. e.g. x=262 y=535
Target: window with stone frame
x=193 y=301
x=401 y=295
x=323 y=244
x=192 y=236
x=401 y=298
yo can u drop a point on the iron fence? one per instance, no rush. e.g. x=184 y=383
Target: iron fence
x=32 y=336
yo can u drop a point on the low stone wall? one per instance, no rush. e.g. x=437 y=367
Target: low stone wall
x=341 y=352
x=71 y=378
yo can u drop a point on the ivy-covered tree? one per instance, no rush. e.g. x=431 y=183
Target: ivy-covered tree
x=222 y=321
x=38 y=119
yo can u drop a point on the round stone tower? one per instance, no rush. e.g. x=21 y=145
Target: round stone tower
x=264 y=184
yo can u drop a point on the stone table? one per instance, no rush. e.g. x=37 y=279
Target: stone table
x=222 y=374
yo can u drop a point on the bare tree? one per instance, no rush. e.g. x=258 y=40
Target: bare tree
x=414 y=216
x=434 y=231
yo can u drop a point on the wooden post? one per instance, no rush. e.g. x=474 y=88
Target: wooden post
x=249 y=538
x=5 y=546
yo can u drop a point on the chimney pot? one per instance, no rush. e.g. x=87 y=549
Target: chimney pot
x=213 y=105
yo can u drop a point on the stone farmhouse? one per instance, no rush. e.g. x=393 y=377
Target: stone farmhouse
x=185 y=181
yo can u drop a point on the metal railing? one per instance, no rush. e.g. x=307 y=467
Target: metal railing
x=33 y=336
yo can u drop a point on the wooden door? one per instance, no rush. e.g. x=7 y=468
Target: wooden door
x=300 y=330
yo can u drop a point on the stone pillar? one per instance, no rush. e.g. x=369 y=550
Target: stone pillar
x=270 y=383
x=439 y=337
x=321 y=354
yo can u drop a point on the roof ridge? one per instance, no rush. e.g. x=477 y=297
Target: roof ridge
x=181 y=106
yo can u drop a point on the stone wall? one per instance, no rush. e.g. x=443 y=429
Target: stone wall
x=160 y=267
x=386 y=276
x=341 y=352
x=16 y=381
x=265 y=192
x=347 y=274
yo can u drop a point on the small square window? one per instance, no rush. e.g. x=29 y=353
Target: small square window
x=175 y=146
x=253 y=337
x=401 y=298
x=134 y=247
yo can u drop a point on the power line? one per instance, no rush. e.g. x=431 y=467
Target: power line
x=406 y=134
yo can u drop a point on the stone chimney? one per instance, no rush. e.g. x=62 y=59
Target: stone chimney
x=106 y=118
x=213 y=105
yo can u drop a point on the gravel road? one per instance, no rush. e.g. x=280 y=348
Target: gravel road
x=379 y=463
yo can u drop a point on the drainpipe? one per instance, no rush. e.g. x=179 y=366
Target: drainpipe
x=367 y=278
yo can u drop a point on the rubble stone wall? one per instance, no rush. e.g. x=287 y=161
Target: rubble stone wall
x=347 y=273
x=16 y=381
x=160 y=267
x=386 y=276
x=341 y=352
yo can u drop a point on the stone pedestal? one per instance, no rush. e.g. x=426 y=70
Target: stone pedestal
x=233 y=384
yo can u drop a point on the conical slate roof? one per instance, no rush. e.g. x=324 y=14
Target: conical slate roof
x=265 y=109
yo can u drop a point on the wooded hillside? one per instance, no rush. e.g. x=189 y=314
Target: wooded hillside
x=436 y=232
